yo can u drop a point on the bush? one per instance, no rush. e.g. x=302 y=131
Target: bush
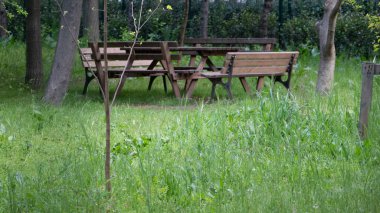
x=353 y=35
x=300 y=31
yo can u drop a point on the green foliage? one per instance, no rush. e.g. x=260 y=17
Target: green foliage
x=353 y=35
x=300 y=32
x=374 y=26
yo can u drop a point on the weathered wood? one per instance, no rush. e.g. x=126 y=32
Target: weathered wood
x=143 y=63
x=254 y=64
x=368 y=72
x=138 y=44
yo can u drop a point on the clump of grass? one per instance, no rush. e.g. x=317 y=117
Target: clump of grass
x=271 y=152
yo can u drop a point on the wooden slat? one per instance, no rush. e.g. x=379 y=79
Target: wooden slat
x=261 y=62
x=138 y=44
x=260 y=55
x=246 y=70
x=136 y=63
x=225 y=75
x=230 y=41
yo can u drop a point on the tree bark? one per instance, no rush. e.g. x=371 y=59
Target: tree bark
x=34 y=72
x=185 y=19
x=280 y=23
x=326 y=31
x=3 y=20
x=290 y=9
x=263 y=28
x=84 y=22
x=90 y=19
x=64 y=53
x=93 y=21
x=204 y=19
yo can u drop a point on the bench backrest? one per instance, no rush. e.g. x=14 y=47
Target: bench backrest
x=259 y=62
x=266 y=44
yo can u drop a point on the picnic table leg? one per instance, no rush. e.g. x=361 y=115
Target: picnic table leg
x=366 y=98
x=175 y=88
x=260 y=83
x=245 y=85
x=191 y=87
x=120 y=87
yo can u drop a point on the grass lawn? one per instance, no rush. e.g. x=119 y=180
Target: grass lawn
x=270 y=152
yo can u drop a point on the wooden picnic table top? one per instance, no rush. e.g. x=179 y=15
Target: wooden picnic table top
x=232 y=49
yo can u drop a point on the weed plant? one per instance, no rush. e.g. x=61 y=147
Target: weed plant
x=271 y=152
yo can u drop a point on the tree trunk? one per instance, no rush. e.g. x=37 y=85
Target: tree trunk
x=263 y=28
x=182 y=31
x=93 y=20
x=290 y=9
x=84 y=22
x=326 y=31
x=280 y=23
x=3 y=20
x=34 y=73
x=64 y=53
x=204 y=19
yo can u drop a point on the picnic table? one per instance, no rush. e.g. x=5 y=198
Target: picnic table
x=190 y=73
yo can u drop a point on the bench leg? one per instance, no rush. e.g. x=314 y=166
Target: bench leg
x=151 y=80
x=86 y=83
x=245 y=85
x=226 y=86
x=214 y=83
x=164 y=82
x=285 y=83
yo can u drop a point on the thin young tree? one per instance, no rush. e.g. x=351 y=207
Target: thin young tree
x=182 y=31
x=204 y=19
x=3 y=20
x=34 y=72
x=326 y=31
x=64 y=53
x=263 y=28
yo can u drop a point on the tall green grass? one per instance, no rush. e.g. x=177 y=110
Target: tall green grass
x=295 y=152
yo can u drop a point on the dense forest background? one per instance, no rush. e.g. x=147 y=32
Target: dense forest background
x=291 y=21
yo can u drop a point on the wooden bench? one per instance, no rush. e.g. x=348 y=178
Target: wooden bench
x=276 y=65
x=116 y=67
